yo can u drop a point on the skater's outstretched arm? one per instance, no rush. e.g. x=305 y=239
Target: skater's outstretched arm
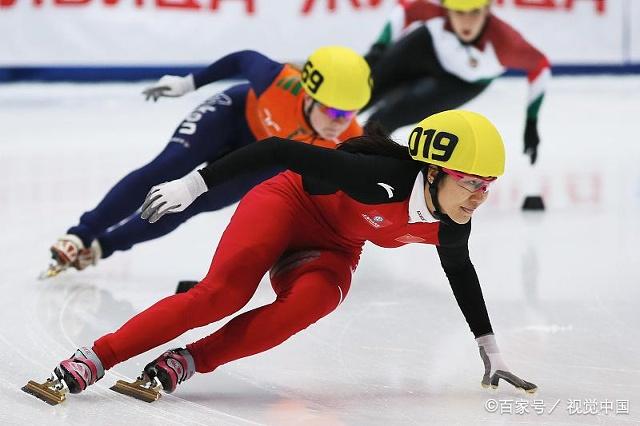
x=246 y=65
x=466 y=289
x=515 y=52
x=345 y=171
x=355 y=174
x=249 y=65
x=464 y=282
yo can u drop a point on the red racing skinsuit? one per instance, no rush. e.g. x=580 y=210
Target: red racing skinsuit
x=307 y=226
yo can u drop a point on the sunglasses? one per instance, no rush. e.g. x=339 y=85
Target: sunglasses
x=471 y=183
x=335 y=113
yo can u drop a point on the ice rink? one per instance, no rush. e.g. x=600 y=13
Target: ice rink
x=562 y=287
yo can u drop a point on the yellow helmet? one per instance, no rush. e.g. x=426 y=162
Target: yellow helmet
x=459 y=140
x=337 y=77
x=464 y=5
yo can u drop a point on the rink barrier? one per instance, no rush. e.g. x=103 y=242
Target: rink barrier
x=89 y=74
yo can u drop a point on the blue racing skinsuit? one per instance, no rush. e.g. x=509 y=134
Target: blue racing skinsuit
x=215 y=128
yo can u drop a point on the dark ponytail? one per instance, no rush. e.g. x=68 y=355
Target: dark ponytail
x=375 y=141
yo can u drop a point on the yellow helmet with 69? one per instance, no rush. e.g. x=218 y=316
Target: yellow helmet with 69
x=337 y=77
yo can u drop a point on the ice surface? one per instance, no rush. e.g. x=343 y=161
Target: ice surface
x=562 y=287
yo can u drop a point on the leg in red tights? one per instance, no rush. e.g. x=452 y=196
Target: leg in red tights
x=305 y=293
x=257 y=235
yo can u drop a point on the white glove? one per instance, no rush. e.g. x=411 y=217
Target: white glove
x=172 y=197
x=170 y=85
x=495 y=368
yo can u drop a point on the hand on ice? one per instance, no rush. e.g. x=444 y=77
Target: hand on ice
x=173 y=197
x=495 y=368
x=531 y=139
x=171 y=86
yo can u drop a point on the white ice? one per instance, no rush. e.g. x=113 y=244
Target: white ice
x=562 y=287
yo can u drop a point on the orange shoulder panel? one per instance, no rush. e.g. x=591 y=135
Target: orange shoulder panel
x=278 y=112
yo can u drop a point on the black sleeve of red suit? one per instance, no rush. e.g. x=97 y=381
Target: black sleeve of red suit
x=454 y=257
x=324 y=170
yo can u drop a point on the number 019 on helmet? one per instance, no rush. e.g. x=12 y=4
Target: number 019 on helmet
x=459 y=140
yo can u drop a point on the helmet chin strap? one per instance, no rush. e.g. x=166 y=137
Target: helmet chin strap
x=433 y=191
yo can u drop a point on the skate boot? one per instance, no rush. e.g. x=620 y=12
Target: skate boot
x=64 y=253
x=71 y=375
x=164 y=373
x=88 y=256
x=171 y=368
x=65 y=250
x=70 y=251
x=81 y=370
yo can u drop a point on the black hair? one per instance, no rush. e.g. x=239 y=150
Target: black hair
x=376 y=141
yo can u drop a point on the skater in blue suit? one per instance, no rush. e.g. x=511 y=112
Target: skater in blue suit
x=276 y=101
